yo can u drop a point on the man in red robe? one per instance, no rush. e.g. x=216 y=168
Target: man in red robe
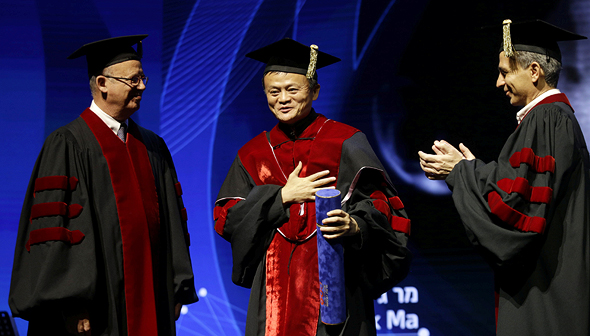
x=102 y=245
x=528 y=212
x=266 y=208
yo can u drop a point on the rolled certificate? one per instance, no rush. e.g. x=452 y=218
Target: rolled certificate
x=330 y=262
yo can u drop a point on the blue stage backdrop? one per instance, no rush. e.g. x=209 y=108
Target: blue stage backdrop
x=412 y=71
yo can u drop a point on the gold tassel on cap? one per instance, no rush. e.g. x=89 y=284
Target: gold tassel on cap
x=508 y=47
x=313 y=59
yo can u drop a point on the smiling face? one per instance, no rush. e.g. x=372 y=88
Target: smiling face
x=120 y=97
x=518 y=83
x=288 y=95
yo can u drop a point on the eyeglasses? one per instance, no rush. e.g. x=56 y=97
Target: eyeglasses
x=133 y=80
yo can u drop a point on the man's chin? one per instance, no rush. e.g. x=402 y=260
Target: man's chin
x=130 y=110
x=291 y=119
x=286 y=118
x=516 y=103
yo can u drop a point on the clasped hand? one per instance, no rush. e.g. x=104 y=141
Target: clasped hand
x=439 y=165
x=338 y=224
x=303 y=189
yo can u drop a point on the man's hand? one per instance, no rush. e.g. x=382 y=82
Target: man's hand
x=338 y=224
x=78 y=324
x=303 y=189
x=439 y=165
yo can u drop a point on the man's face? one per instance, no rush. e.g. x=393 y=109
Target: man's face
x=288 y=96
x=516 y=81
x=122 y=95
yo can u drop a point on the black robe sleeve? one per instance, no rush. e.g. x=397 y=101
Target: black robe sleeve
x=378 y=258
x=250 y=224
x=55 y=274
x=508 y=206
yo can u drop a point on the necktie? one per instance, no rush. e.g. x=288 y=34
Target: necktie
x=122 y=133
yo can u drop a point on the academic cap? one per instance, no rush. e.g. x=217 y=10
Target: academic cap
x=535 y=36
x=288 y=55
x=104 y=53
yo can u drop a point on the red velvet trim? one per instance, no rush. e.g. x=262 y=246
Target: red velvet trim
x=127 y=169
x=401 y=224
x=48 y=209
x=521 y=186
x=560 y=97
x=183 y=214
x=396 y=203
x=258 y=159
x=378 y=194
x=74 y=210
x=54 y=233
x=327 y=149
x=382 y=203
x=147 y=183
x=299 y=227
x=383 y=207
x=51 y=182
x=536 y=163
x=55 y=209
x=73 y=183
x=397 y=223
x=178 y=189
x=55 y=182
x=510 y=216
x=292 y=288
x=220 y=215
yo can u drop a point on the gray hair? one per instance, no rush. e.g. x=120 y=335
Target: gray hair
x=93 y=88
x=551 y=67
x=313 y=82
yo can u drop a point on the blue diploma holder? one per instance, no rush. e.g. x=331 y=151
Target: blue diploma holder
x=330 y=262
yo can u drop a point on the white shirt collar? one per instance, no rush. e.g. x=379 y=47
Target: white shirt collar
x=525 y=110
x=111 y=122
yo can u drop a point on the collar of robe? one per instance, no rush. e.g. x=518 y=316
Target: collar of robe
x=295 y=130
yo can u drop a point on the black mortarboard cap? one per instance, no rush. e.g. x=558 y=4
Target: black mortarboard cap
x=104 y=53
x=288 y=55
x=535 y=36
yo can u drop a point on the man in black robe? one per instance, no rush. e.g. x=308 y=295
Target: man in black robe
x=266 y=208
x=102 y=245
x=529 y=212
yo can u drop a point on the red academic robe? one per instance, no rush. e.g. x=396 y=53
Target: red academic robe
x=274 y=248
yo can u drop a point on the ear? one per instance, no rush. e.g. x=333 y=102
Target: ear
x=316 y=91
x=536 y=72
x=101 y=84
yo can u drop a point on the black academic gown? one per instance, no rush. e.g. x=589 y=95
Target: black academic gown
x=72 y=251
x=375 y=260
x=529 y=214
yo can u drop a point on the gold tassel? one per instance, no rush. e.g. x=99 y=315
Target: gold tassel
x=313 y=59
x=508 y=47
